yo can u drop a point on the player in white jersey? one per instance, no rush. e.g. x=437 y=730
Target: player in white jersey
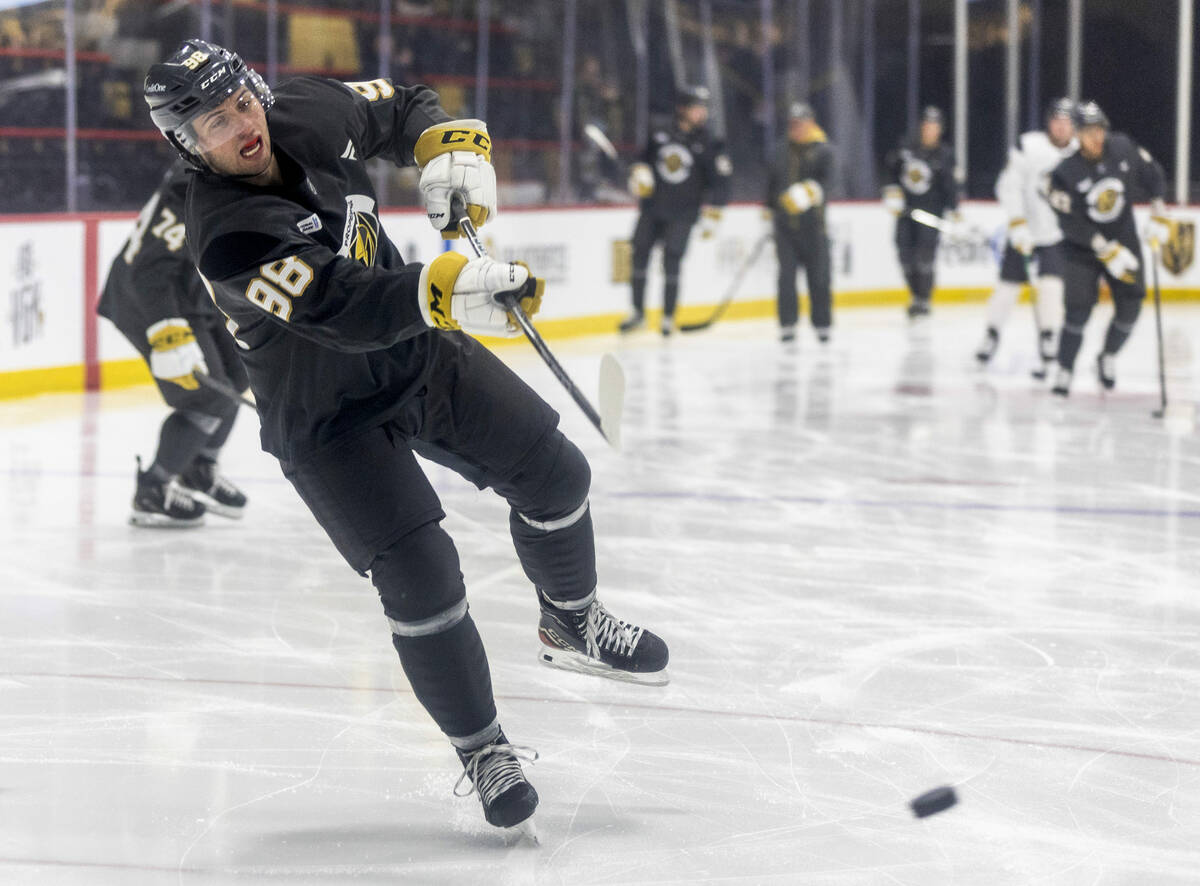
x=1033 y=234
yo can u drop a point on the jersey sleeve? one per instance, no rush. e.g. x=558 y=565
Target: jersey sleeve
x=386 y=119
x=823 y=167
x=304 y=288
x=718 y=172
x=1150 y=175
x=891 y=168
x=950 y=180
x=1010 y=186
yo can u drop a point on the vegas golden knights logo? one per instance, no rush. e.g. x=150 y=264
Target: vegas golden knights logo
x=1180 y=248
x=622 y=261
x=360 y=237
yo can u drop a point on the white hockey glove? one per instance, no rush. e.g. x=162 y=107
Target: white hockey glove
x=641 y=180
x=455 y=158
x=1120 y=263
x=455 y=293
x=802 y=196
x=1161 y=228
x=893 y=199
x=710 y=222
x=174 y=354
x=1020 y=237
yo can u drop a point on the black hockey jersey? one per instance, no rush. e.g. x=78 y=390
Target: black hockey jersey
x=1095 y=199
x=322 y=306
x=153 y=277
x=795 y=162
x=690 y=169
x=928 y=176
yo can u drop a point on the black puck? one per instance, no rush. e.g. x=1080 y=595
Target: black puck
x=932 y=802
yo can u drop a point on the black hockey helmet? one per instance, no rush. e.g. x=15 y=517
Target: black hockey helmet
x=1090 y=114
x=933 y=114
x=692 y=95
x=196 y=78
x=1060 y=107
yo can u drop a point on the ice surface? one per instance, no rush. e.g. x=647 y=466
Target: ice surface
x=879 y=569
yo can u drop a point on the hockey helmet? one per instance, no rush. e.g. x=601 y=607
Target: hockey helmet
x=801 y=111
x=197 y=77
x=933 y=114
x=1060 y=107
x=692 y=95
x=1090 y=114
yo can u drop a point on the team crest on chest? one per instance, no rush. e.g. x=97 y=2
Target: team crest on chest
x=674 y=163
x=1106 y=200
x=916 y=175
x=360 y=236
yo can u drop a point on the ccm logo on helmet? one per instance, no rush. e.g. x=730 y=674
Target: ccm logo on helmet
x=213 y=77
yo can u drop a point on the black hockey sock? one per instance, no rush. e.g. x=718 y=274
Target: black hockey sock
x=1115 y=339
x=924 y=281
x=560 y=562
x=179 y=441
x=670 y=296
x=212 y=446
x=449 y=675
x=1068 y=347
x=639 y=291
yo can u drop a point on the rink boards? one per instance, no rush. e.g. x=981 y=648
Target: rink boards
x=53 y=268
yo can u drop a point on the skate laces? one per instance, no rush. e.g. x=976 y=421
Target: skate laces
x=220 y=484
x=173 y=496
x=603 y=631
x=493 y=769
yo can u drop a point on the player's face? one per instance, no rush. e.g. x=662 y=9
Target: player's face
x=233 y=137
x=800 y=129
x=931 y=133
x=695 y=115
x=1060 y=129
x=1091 y=141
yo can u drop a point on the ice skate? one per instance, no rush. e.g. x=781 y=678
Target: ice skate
x=987 y=347
x=215 y=492
x=494 y=772
x=586 y=638
x=919 y=309
x=636 y=320
x=1062 y=382
x=163 y=504
x=787 y=334
x=823 y=334
x=1047 y=351
x=667 y=327
x=1106 y=370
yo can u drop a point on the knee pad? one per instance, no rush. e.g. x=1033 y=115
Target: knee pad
x=420 y=583
x=553 y=485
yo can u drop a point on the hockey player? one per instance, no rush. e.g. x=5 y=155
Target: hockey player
x=796 y=186
x=1033 y=233
x=358 y=359
x=1093 y=192
x=154 y=296
x=683 y=174
x=921 y=175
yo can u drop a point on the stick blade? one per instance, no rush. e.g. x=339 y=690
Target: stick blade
x=612 y=399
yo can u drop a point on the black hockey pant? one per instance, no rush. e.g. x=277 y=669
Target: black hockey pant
x=807 y=246
x=372 y=498
x=1081 y=280
x=916 y=247
x=673 y=231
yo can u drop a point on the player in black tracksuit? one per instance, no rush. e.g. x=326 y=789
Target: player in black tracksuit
x=358 y=359
x=921 y=175
x=681 y=169
x=797 y=184
x=154 y=296
x=1093 y=192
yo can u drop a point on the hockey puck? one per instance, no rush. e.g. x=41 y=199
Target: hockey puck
x=932 y=802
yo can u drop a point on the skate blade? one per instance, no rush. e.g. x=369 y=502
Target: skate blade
x=568 y=660
x=525 y=831
x=162 y=521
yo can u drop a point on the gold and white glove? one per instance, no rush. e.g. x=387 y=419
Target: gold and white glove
x=1161 y=227
x=457 y=293
x=174 y=354
x=1020 y=236
x=710 y=221
x=802 y=196
x=1120 y=263
x=455 y=159
x=641 y=180
x=893 y=199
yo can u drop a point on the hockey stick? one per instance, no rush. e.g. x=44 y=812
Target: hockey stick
x=224 y=388
x=596 y=134
x=731 y=291
x=1162 y=369
x=612 y=379
x=930 y=220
